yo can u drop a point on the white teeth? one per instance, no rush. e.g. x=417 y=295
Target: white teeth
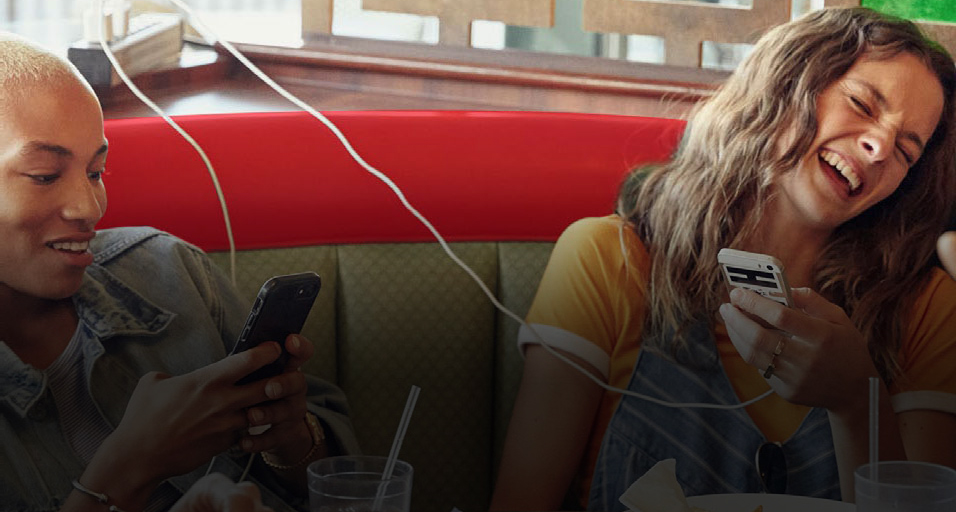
x=71 y=246
x=841 y=165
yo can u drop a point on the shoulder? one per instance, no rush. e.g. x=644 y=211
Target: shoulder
x=930 y=335
x=932 y=316
x=595 y=229
x=146 y=256
x=928 y=352
x=609 y=241
x=114 y=244
x=939 y=294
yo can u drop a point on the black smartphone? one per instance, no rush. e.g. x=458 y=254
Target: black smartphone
x=280 y=309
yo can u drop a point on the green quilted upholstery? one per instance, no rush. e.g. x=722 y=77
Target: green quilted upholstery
x=393 y=315
x=407 y=316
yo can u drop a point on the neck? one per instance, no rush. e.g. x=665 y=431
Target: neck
x=795 y=244
x=36 y=330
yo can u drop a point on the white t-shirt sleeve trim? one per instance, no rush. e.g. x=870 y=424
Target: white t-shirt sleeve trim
x=932 y=400
x=567 y=341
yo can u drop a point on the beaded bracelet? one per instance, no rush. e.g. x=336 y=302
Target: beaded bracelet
x=318 y=440
x=98 y=496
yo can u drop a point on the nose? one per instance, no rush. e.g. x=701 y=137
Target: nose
x=84 y=201
x=877 y=143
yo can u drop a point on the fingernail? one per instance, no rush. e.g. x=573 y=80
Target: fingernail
x=296 y=342
x=273 y=390
x=723 y=309
x=246 y=444
x=736 y=293
x=257 y=416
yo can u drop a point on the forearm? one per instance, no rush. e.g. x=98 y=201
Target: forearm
x=553 y=415
x=851 y=439
x=125 y=481
x=531 y=479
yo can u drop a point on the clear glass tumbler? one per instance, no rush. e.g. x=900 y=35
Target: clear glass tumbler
x=905 y=486
x=354 y=484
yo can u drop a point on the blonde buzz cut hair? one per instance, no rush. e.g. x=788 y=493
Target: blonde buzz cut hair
x=24 y=62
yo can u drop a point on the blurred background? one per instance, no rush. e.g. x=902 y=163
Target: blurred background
x=651 y=57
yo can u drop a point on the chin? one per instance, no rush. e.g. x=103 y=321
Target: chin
x=56 y=289
x=65 y=291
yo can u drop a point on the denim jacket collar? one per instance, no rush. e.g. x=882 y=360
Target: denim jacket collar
x=106 y=308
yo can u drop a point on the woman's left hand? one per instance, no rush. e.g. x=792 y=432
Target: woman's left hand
x=822 y=356
x=215 y=492
x=946 y=250
x=284 y=408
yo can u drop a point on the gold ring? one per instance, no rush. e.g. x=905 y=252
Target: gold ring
x=768 y=372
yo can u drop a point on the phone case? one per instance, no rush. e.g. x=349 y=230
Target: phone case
x=280 y=309
x=760 y=273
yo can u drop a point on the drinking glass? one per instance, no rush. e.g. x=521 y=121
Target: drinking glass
x=905 y=486
x=353 y=483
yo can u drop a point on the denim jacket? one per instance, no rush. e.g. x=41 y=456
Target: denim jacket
x=150 y=302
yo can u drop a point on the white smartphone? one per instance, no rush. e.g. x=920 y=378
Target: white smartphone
x=757 y=272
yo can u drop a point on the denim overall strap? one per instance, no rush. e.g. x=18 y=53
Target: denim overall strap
x=715 y=449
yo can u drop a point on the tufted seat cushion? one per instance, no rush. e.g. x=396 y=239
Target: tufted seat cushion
x=394 y=310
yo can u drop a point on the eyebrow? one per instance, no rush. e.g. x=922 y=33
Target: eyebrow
x=55 y=149
x=878 y=96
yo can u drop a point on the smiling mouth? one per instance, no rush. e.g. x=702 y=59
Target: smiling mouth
x=72 y=247
x=842 y=169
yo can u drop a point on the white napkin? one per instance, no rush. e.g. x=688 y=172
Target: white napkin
x=657 y=491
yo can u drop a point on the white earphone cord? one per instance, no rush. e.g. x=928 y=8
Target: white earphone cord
x=382 y=177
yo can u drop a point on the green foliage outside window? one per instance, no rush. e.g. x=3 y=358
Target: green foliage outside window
x=930 y=10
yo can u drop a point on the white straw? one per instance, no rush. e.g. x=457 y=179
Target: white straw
x=396 y=446
x=874 y=427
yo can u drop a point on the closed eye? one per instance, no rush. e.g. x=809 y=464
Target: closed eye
x=860 y=105
x=906 y=155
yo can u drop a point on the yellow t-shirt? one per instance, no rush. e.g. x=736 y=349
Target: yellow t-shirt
x=591 y=302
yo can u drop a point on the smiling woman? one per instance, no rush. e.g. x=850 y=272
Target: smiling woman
x=106 y=336
x=832 y=148
x=873 y=124
x=52 y=194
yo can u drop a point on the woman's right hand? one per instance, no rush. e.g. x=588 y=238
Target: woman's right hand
x=172 y=425
x=217 y=493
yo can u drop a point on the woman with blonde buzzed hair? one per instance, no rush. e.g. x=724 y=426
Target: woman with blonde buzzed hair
x=832 y=148
x=116 y=391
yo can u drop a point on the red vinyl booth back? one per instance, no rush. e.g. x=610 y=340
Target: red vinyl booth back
x=521 y=176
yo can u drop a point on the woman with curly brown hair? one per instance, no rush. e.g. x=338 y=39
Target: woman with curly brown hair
x=832 y=147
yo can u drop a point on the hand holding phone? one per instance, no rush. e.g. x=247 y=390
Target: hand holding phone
x=757 y=272
x=280 y=309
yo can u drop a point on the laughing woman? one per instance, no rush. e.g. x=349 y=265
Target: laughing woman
x=832 y=148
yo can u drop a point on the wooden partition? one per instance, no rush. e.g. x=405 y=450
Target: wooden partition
x=335 y=72
x=683 y=24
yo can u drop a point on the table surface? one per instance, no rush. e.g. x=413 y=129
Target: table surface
x=770 y=503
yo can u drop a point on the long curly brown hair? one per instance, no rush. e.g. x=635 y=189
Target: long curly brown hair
x=713 y=192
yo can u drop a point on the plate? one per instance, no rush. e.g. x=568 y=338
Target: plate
x=770 y=502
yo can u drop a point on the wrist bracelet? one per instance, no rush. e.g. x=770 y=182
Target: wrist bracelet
x=98 y=496
x=318 y=440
